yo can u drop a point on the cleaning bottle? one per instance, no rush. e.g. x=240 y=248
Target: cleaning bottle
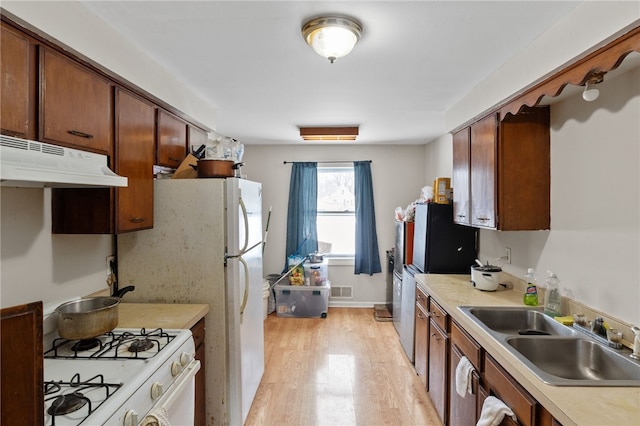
x=552 y=300
x=531 y=294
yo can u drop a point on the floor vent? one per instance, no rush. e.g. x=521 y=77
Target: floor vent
x=342 y=292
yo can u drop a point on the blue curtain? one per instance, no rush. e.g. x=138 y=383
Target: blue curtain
x=302 y=233
x=367 y=254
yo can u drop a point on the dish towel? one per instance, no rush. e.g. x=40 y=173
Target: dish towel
x=493 y=411
x=463 y=376
x=157 y=417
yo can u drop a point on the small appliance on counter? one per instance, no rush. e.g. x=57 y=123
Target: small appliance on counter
x=486 y=277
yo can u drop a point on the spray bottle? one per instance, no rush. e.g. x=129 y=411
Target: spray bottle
x=531 y=294
x=552 y=299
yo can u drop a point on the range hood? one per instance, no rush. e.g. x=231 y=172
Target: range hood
x=32 y=164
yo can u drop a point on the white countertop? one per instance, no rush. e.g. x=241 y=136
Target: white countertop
x=569 y=405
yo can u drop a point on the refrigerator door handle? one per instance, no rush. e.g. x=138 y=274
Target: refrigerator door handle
x=246 y=226
x=245 y=297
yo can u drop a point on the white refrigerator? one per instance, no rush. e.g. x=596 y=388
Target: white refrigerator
x=206 y=247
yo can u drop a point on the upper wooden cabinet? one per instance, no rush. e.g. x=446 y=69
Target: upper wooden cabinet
x=17 y=84
x=501 y=172
x=135 y=133
x=75 y=105
x=461 y=179
x=172 y=139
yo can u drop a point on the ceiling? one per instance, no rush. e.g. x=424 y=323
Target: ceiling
x=414 y=61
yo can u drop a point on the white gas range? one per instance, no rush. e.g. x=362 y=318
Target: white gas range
x=125 y=377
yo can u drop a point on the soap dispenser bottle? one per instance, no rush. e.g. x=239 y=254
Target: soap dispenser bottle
x=552 y=299
x=530 y=297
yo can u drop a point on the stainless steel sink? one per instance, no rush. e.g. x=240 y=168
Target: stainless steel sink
x=524 y=321
x=575 y=361
x=557 y=354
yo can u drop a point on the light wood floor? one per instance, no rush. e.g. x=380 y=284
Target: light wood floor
x=347 y=369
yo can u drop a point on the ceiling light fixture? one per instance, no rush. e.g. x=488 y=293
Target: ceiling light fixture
x=329 y=133
x=590 y=92
x=332 y=37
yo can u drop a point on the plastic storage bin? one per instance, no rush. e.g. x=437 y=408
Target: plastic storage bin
x=315 y=274
x=302 y=301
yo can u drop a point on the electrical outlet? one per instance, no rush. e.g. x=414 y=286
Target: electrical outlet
x=507 y=255
x=110 y=263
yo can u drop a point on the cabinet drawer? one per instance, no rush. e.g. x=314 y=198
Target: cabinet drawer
x=422 y=299
x=511 y=393
x=438 y=315
x=466 y=345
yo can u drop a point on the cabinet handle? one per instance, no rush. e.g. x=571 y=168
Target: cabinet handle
x=177 y=160
x=81 y=134
x=483 y=219
x=436 y=336
x=137 y=219
x=420 y=315
x=462 y=216
x=435 y=314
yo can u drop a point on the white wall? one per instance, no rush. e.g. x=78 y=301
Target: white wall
x=398 y=176
x=37 y=265
x=594 y=241
x=439 y=158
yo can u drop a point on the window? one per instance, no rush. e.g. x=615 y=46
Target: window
x=336 y=221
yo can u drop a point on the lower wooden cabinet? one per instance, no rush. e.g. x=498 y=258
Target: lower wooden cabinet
x=438 y=369
x=421 y=354
x=463 y=411
x=198 y=332
x=21 y=363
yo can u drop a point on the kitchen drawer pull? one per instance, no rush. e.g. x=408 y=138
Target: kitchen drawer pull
x=483 y=219
x=81 y=134
x=177 y=160
x=137 y=219
x=435 y=314
x=462 y=216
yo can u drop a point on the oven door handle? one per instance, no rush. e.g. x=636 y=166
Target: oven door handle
x=165 y=402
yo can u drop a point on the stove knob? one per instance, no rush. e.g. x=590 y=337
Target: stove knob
x=156 y=390
x=185 y=358
x=176 y=368
x=131 y=418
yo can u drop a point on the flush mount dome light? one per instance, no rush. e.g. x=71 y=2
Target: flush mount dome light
x=332 y=37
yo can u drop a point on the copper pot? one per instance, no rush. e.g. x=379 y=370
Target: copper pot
x=87 y=318
x=212 y=168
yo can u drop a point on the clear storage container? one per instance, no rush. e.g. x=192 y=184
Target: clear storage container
x=302 y=301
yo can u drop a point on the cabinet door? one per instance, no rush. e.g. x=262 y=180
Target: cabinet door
x=135 y=130
x=22 y=365
x=462 y=410
x=198 y=332
x=172 y=140
x=421 y=344
x=17 y=84
x=438 y=370
x=461 y=177
x=76 y=105
x=484 y=139
x=504 y=387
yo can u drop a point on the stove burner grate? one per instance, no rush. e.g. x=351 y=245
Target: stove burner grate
x=74 y=399
x=112 y=345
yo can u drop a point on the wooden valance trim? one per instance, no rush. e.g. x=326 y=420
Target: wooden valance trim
x=604 y=58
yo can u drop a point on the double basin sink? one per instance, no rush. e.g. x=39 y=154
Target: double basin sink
x=557 y=354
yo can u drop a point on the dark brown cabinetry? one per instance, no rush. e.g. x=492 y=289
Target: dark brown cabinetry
x=438 y=359
x=135 y=130
x=172 y=140
x=421 y=354
x=501 y=172
x=114 y=211
x=17 y=84
x=21 y=359
x=75 y=105
x=463 y=410
x=198 y=332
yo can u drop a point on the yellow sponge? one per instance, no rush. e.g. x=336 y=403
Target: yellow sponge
x=568 y=320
